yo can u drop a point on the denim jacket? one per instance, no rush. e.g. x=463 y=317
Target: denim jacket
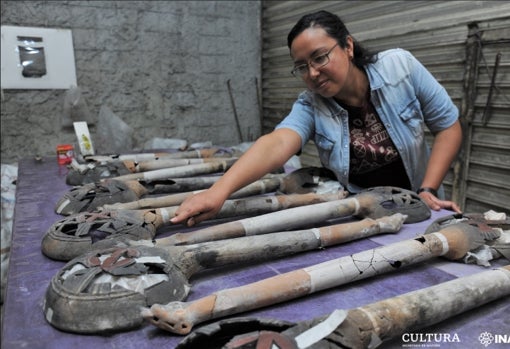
x=406 y=96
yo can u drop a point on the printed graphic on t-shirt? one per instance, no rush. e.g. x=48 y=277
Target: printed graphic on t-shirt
x=371 y=146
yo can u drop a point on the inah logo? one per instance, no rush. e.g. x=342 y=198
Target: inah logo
x=486 y=338
x=502 y=338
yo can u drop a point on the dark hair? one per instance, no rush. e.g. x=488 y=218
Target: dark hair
x=335 y=28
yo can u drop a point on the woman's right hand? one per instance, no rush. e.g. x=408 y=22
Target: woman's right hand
x=269 y=152
x=198 y=207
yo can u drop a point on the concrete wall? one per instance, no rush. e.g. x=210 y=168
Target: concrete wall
x=161 y=66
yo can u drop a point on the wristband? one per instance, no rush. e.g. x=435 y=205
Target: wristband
x=428 y=190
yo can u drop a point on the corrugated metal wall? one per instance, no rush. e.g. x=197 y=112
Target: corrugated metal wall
x=436 y=32
x=483 y=177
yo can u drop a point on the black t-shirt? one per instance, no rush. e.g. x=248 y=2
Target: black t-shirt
x=374 y=159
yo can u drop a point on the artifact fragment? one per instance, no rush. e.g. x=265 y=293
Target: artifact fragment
x=305 y=180
x=487 y=223
x=453 y=242
x=107 y=288
x=91 y=173
x=476 y=219
x=188 y=154
x=68 y=237
x=363 y=327
x=90 y=197
x=126 y=194
x=373 y=203
x=76 y=234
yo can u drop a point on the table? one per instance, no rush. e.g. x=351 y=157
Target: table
x=42 y=182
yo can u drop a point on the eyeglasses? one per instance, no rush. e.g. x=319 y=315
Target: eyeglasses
x=315 y=62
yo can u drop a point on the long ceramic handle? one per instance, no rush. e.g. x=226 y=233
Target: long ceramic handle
x=260 y=205
x=292 y=218
x=257 y=248
x=183 y=184
x=180 y=317
x=231 y=208
x=369 y=326
x=200 y=153
x=181 y=171
x=422 y=308
x=261 y=186
x=150 y=165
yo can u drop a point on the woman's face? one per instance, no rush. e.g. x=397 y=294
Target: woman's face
x=331 y=79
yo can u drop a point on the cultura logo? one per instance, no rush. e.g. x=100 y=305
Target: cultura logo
x=486 y=338
x=430 y=338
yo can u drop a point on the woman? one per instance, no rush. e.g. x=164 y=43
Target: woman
x=366 y=114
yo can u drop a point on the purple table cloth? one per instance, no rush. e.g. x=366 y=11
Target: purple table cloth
x=41 y=183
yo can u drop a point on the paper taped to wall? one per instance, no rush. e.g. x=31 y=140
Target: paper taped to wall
x=85 y=142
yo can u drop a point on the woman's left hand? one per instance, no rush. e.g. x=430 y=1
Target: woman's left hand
x=436 y=204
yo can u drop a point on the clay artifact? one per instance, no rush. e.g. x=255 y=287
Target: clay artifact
x=453 y=242
x=76 y=234
x=108 y=288
x=91 y=197
x=111 y=194
x=364 y=327
x=111 y=190
x=484 y=222
x=187 y=154
x=67 y=238
x=148 y=275
x=91 y=173
x=304 y=180
x=374 y=203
